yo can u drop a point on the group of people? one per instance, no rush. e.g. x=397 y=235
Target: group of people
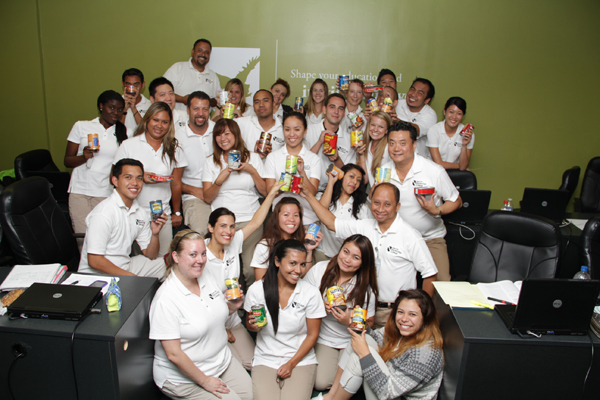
x=164 y=161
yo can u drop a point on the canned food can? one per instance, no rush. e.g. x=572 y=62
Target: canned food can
x=335 y=171
x=93 y=142
x=387 y=105
x=355 y=138
x=336 y=298
x=161 y=178
x=291 y=164
x=260 y=315
x=373 y=104
x=264 y=141
x=383 y=175
x=296 y=181
x=235 y=159
x=373 y=89
x=359 y=320
x=344 y=82
x=224 y=97
x=330 y=145
x=298 y=103
x=156 y=209
x=356 y=119
x=426 y=191
x=233 y=289
x=467 y=128
x=311 y=234
x=130 y=89
x=229 y=111
x=286 y=179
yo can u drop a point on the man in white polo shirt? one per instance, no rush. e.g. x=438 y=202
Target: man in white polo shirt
x=116 y=222
x=251 y=127
x=415 y=110
x=334 y=110
x=193 y=75
x=196 y=140
x=400 y=251
x=409 y=171
x=136 y=103
x=161 y=89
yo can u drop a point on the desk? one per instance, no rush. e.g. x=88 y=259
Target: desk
x=483 y=360
x=112 y=353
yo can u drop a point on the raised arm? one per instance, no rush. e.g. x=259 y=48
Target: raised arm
x=324 y=215
x=260 y=214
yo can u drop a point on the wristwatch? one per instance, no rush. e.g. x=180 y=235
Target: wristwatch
x=177 y=213
x=438 y=215
x=124 y=112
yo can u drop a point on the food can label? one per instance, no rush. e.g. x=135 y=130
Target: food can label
x=330 y=145
x=355 y=138
x=260 y=315
x=235 y=159
x=233 y=289
x=383 y=175
x=311 y=234
x=296 y=181
x=359 y=320
x=291 y=164
x=373 y=104
x=286 y=179
x=335 y=171
x=229 y=111
x=344 y=82
x=299 y=102
x=387 y=105
x=93 y=142
x=263 y=142
x=336 y=297
x=156 y=209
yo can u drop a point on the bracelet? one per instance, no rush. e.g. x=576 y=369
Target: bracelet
x=135 y=113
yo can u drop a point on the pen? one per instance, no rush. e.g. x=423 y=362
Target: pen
x=75 y=283
x=480 y=304
x=501 y=301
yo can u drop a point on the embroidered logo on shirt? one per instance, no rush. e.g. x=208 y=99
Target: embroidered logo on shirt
x=214 y=295
x=343 y=150
x=230 y=261
x=279 y=140
x=208 y=80
x=297 y=305
x=419 y=183
x=394 y=250
x=140 y=222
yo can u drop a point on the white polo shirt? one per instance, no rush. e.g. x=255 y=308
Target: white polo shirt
x=139 y=149
x=180 y=119
x=449 y=146
x=423 y=173
x=399 y=253
x=330 y=244
x=251 y=130
x=199 y=324
x=333 y=333
x=369 y=161
x=187 y=79
x=346 y=153
x=92 y=178
x=275 y=350
x=142 y=107
x=238 y=193
x=196 y=148
x=275 y=166
x=111 y=230
x=425 y=118
x=312 y=119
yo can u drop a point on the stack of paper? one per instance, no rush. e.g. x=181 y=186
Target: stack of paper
x=23 y=276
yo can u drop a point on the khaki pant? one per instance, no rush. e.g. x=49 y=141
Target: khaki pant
x=243 y=347
x=319 y=256
x=143 y=266
x=439 y=253
x=79 y=207
x=328 y=359
x=381 y=317
x=235 y=377
x=299 y=386
x=196 y=213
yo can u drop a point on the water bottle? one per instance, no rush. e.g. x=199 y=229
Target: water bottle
x=509 y=207
x=583 y=274
x=505 y=206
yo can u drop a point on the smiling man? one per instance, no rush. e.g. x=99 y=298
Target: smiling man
x=136 y=103
x=193 y=75
x=415 y=110
x=196 y=140
x=400 y=251
x=116 y=222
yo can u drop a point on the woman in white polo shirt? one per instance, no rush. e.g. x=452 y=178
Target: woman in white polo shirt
x=236 y=189
x=90 y=179
x=284 y=363
x=237 y=96
x=373 y=153
x=154 y=144
x=447 y=146
x=353 y=268
x=314 y=104
x=187 y=320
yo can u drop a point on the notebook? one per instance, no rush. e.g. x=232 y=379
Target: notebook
x=549 y=203
x=552 y=306
x=49 y=301
x=474 y=209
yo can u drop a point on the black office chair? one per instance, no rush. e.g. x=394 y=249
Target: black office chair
x=514 y=246
x=589 y=247
x=36 y=228
x=589 y=200
x=463 y=180
x=570 y=180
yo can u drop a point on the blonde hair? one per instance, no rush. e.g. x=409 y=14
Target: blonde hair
x=168 y=141
x=380 y=149
x=235 y=81
x=176 y=246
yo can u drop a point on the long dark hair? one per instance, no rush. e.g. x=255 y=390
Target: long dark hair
x=214 y=217
x=169 y=141
x=366 y=276
x=272 y=233
x=270 y=282
x=234 y=128
x=105 y=97
x=360 y=194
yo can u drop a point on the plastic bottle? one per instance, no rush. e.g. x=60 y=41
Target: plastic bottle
x=509 y=206
x=583 y=274
x=505 y=206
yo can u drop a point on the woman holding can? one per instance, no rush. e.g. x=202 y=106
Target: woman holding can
x=154 y=144
x=90 y=179
x=449 y=146
x=232 y=178
x=373 y=153
x=316 y=100
x=353 y=271
x=346 y=197
x=284 y=363
x=237 y=96
x=187 y=320
x=404 y=359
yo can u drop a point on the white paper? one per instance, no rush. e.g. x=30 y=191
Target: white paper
x=23 y=276
x=503 y=290
x=87 y=280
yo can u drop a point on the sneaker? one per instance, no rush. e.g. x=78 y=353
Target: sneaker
x=319 y=397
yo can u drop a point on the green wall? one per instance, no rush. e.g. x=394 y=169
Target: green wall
x=528 y=70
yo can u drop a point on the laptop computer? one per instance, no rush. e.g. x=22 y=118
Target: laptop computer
x=549 y=203
x=552 y=306
x=67 y=302
x=474 y=209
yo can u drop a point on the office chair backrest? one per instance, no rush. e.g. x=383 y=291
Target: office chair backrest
x=589 y=248
x=514 y=246
x=590 y=187
x=34 y=160
x=463 y=180
x=35 y=226
x=570 y=180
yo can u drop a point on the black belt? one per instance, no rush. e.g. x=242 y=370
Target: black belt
x=384 y=305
